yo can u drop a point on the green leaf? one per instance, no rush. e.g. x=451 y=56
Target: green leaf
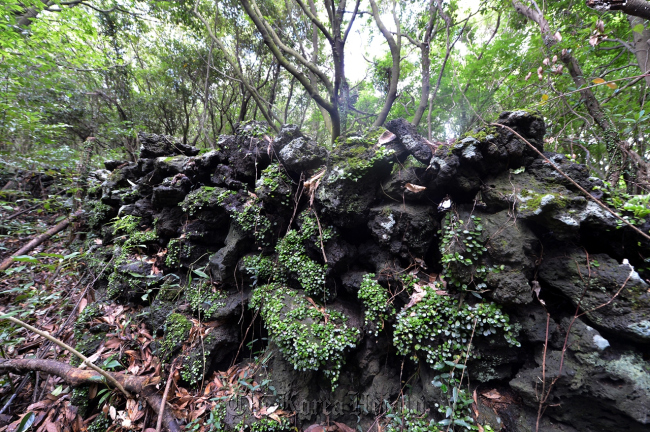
x=638 y=28
x=25 y=258
x=57 y=391
x=112 y=364
x=27 y=422
x=201 y=274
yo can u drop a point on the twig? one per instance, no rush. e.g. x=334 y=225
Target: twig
x=161 y=411
x=67 y=347
x=583 y=190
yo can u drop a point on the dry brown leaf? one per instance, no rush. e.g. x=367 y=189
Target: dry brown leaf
x=386 y=137
x=343 y=428
x=416 y=297
x=315 y=428
x=492 y=394
x=414 y=188
x=82 y=304
x=51 y=427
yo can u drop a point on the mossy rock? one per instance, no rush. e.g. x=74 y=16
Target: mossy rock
x=308 y=336
x=177 y=329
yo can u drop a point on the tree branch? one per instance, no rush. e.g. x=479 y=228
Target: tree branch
x=76 y=377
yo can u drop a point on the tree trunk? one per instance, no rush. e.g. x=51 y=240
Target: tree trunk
x=395 y=46
x=641 y=46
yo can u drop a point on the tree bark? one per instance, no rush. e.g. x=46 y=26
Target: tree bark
x=425 y=52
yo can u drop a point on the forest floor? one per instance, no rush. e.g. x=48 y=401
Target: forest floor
x=49 y=288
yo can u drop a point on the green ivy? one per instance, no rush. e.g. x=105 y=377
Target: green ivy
x=462 y=251
x=309 y=337
x=377 y=303
x=438 y=327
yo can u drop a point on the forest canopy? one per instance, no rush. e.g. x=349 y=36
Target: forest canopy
x=74 y=69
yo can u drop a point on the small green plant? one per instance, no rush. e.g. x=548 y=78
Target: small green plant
x=462 y=254
x=261 y=268
x=408 y=419
x=457 y=409
x=377 y=303
x=203 y=298
x=309 y=336
x=275 y=184
x=177 y=329
x=438 y=327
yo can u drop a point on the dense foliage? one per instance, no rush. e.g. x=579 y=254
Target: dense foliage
x=106 y=69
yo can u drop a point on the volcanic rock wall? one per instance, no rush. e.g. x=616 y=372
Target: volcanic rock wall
x=371 y=269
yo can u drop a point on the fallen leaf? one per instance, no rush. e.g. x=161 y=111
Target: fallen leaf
x=492 y=394
x=536 y=289
x=414 y=188
x=82 y=304
x=343 y=428
x=386 y=137
x=315 y=428
x=416 y=297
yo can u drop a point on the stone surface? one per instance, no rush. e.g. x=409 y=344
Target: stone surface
x=152 y=145
x=302 y=154
x=220 y=219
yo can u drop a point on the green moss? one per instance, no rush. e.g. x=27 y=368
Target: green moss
x=309 y=337
x=269 y=425
x=87 y=345
x=177 y=250
x=86 y=316
x=177 y=330
x=79 y=398
x=482 y=134
x=274 y=184
x=534 y=201
x=251 y=221
x=203 y=198
x=96 y=213
x=353 y=157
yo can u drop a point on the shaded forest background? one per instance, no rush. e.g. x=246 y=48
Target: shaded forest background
x=106 y=69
